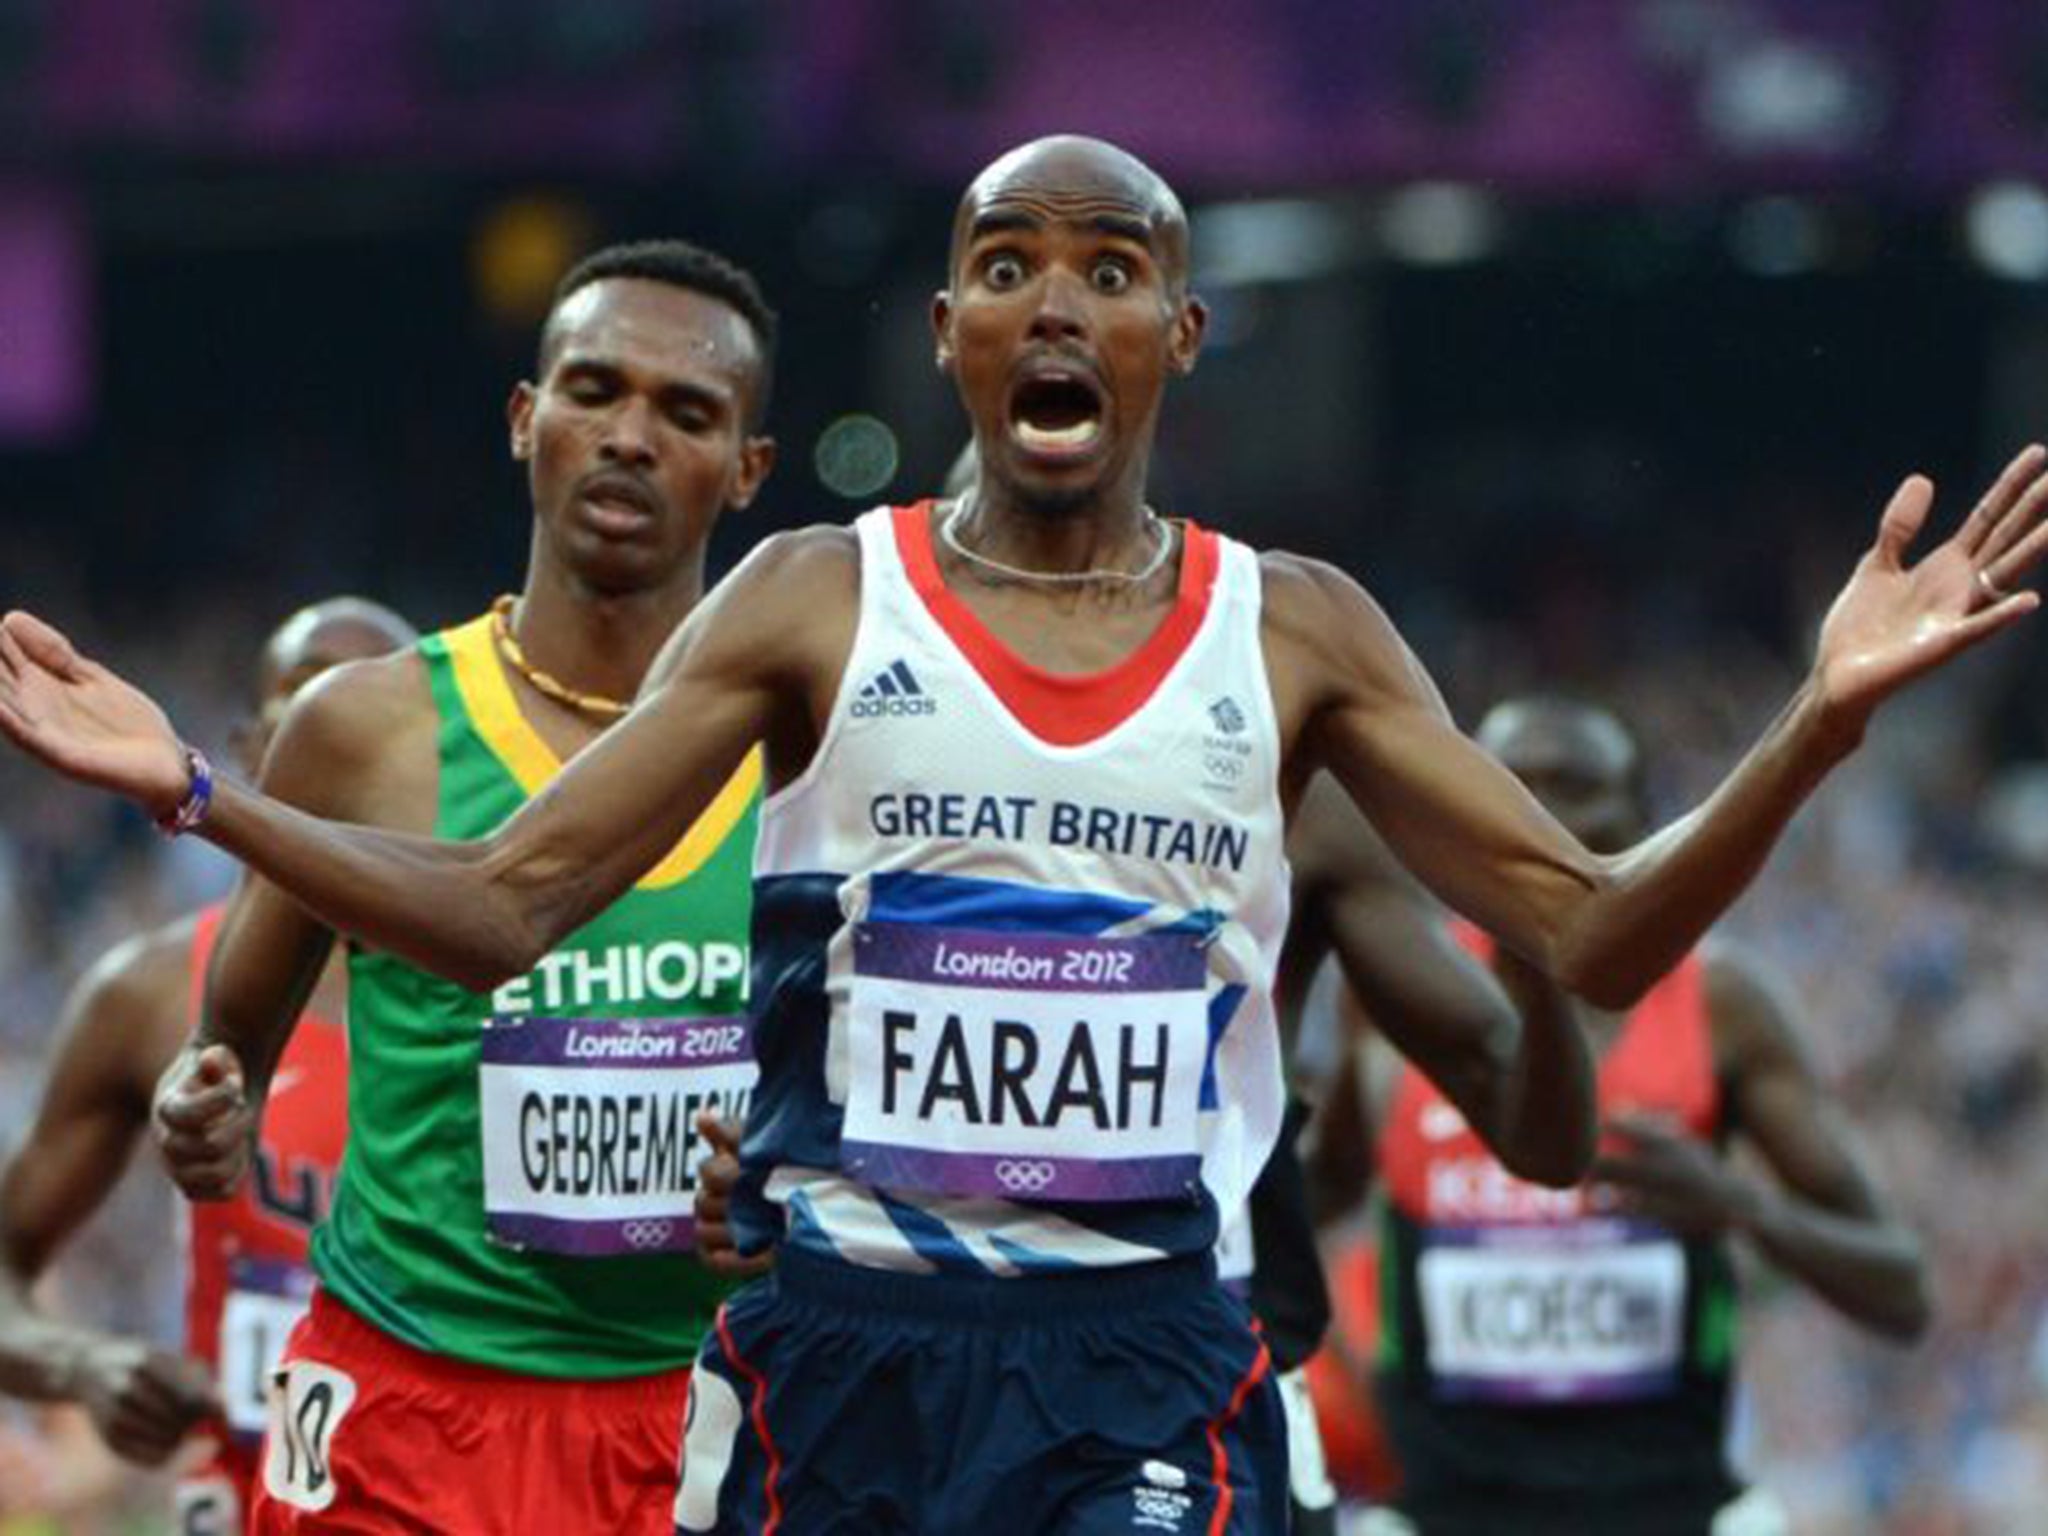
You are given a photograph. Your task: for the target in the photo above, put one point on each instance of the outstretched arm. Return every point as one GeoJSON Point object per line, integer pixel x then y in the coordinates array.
{"type": "Point", "coordinates": [1518, 1068]}
{"type": "Point", "coordinates": [1819, 1216]}
{"type": "Point", "coordinates": [117, 1031]}
{"type": "Point", "coordinates": [476, 912]}
{"type": "Point", "coordinates": [1608, 927]}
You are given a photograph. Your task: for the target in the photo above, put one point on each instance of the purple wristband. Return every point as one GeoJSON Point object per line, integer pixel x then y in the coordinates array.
{"type": "Point", "coordinates": [192, 810]}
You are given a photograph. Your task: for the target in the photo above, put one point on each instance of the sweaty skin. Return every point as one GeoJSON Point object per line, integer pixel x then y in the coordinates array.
{"type": "Point", "coordinates": [1035, 291]}
{"type": "Point", "coordinates": [122, 1026]}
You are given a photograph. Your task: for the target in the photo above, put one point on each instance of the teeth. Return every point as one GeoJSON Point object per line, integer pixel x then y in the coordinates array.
{"type": "Point", "coordinates": [1055, 439]}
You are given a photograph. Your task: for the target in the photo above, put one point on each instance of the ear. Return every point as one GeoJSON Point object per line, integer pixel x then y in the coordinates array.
{"type": "Point", "coordinates": [942, 327]}
{"type": "Point", "coordinates": [757, 460]}
{"type": "Point", "coordinates": [1189, 327]}
{"type": "Point", "coordinates": [519, 417]}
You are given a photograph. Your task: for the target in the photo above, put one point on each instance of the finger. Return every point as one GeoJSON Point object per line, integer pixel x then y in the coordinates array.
{"type": "Point", "coordinates": [218, 1064]}
{"type": "Point", "coordinates": [225, 1143]}
{"type": "Point", "coordinates": [132, 1444]}
{"type": "Point", "coordinates": [2010, 566]}
{"type": "Point", "coordinates": [15, 669]}
{"type": "Point", "coordinates": [189, 1386]}
{"type": "Point", "coordinates": [723, 1135]}
{"type": "Point", "coordinates": [141, 1440]}
{"type": "Point", "coordinates": [198, 1109]}
{"type": "Point", "coordinates": [2021, 474]}
{"type": "Point", "coordinates": [1968, 630]}
{"type": "Point", "coordinates": [2012, 524]}
{"type": "Point", "coordinates": [206, 1178]}
{"type": "Point", "coordinates": [1639, 1125]}
{"type": "Point", "coordinates": [1903, 517]}
{"type": "Point", "coordinates": [42, 643]}
{"type": "Point", "coordinates": [729, 1263]}
{"type": "Point", "coordinates": [17, 726]}
{"type": "Point", "coordinates": [1616, 1168]}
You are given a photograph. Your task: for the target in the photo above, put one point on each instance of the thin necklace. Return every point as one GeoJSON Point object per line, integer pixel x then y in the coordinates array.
{"type": "Point", "coordinates": [543, 683]}
{"type": "Point", "coordinates": [949, 532]}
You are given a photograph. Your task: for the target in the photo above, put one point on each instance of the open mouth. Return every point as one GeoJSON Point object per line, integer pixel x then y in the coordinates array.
{"type": "Point", "coordinates": [1056, 414]}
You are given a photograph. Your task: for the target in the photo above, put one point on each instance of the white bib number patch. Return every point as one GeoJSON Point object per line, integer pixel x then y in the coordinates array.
{"type": "Point", "coordinates": [590, 1141]}
{"type": "Point", "coordinates": [264, 1303]}
{"type": "Point", "coordinates": [1025, 1065]}
{"type": "Point", "coordinates": [1589, 1313]}
{"type": "Point", "coordinates": [206, 1506]}
{"type": "Point", "coordinates": [308, 1401]}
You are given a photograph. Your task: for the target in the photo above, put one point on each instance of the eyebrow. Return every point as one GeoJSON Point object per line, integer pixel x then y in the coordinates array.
{"type": "Point", "coordinates": [996, 221]}
{"type": "Point", "coordinates": [669, 389]}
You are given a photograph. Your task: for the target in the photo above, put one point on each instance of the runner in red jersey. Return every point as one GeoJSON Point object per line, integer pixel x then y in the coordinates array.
{"type": "Point", "coordinates": [247, 1280]}
{"type": "Point", "coordinates": [1557, 1361]}
{"type": "Point", "coordinates": [128, 1017]}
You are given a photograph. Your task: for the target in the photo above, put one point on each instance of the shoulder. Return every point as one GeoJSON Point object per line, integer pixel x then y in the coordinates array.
{"type": "Point", "coordinates": [1751, 1008]}
{"type": "Point", "coordinates": [788, 604]}
{"type": "Point", "coordinates": [130, 1010]}
{"type": "Point", "coordinates": [380, 692]}
{"type": "Point", "coordinates": [347, 729]}
{"type": "Point", "coordinates": [1329, 643]}
{"type": "Point", "coordinates": [822, 560]}
{"type": "Point", "coordinates": [819, 559]}
{"type": "Point", "coordinates": [1313, 603]}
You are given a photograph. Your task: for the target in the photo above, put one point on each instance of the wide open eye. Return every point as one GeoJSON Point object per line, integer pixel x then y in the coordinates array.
{"type": "Point", "coordinates": [1003, 270]}
{"type": "Point", "coordinates": [1111, 275]}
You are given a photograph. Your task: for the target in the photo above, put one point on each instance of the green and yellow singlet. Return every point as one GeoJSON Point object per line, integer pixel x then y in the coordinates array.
{"type": "Point", "coordinates": [516, 1186]}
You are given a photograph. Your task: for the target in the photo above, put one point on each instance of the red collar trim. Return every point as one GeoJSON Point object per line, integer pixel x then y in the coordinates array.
{"type": "Point", "coordinates": [1062, 709]}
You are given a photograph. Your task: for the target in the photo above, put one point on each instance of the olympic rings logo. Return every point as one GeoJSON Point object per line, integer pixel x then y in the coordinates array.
{"type": "Point", "coordinates": [647, 1234]}
{"type": "Point", "coordinates": [1025, 1176]}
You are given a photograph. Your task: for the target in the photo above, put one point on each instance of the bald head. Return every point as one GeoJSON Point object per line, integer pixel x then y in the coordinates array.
{"type": "Point", "coordinates": [317, 637]}
{"type": "Point", "coordinates": [1071, 177]}
{"type": "Point", "coordinates": [1579, 760]}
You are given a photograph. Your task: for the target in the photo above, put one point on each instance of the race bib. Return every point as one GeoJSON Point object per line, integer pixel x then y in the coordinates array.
{"type": "Point", "coordinates": [206, 1506]}
{"type": "Point", "coordinates": [265, 1300]}
{"type": "Point", "coordinates": [590, 1143]}
{"type": "Point", "coordinates": [1593, 1312]}
{"type": "Point", "coordinates": [1025, 1065]}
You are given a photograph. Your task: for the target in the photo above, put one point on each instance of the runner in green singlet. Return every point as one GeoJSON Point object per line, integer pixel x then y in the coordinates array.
{"type": "Point", "coordinates": [507, 1258]}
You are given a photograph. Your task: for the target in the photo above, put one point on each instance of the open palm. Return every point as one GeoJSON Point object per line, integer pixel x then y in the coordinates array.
{"type": "Point", "coordinates": [83, 720]}
{"type": "Point", "coordinates": [1892, 622]}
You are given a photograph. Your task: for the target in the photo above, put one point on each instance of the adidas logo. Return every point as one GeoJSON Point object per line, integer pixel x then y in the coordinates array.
{"type": "Point", "coordinates": [893, 691]}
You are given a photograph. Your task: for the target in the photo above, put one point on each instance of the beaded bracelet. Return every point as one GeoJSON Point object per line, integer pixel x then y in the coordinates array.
{"type": "Point", "coordinates": [190, 811]}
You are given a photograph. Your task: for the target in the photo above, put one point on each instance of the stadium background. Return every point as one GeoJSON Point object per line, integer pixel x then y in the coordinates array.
{"type": "Point", "coordinates": [1590, 334]}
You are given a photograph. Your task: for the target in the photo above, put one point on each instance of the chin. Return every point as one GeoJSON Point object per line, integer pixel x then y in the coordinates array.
{"type": "Point", "coordinates": [619, 572]}
{"type": "Point", "coordinates": [1056, 494]}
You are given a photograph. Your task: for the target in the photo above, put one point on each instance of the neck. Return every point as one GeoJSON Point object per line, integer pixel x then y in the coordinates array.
{"type": "Point", "coordinates": [1111, 531]}
{"type": "Point", "coordinates": [600, 642]}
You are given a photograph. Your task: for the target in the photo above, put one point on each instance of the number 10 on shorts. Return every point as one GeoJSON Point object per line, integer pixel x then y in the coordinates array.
{"type": "Point", "coordinates": [307, 1405]}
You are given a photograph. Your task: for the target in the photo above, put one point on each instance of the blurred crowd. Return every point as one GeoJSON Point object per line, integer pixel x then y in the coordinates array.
{"type": "Point", "coordinates": [1904, 908]}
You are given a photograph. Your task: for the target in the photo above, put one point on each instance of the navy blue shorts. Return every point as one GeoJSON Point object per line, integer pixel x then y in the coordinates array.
{"type": "Point", "coordinates": [832, 1400]}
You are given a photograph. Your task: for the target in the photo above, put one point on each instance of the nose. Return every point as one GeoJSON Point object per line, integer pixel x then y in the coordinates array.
{"type": "Point", "coordinates": [1062, 311]}
{"type": "Point", "coordinates": [629, 433]}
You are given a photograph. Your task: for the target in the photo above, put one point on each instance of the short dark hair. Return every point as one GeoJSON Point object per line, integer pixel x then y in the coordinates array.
{"type": "Point", "coordinates": [680, 264]}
